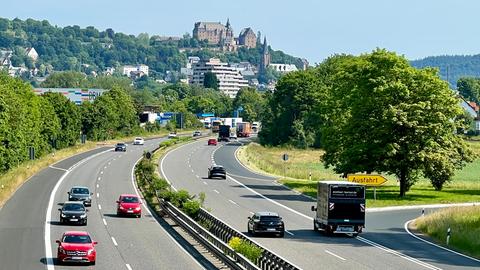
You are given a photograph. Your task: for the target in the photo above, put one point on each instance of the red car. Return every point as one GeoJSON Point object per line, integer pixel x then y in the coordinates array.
{"type": "Point", "coordinates": [212, 142]}
{"type": "Point", "coordinates": [129, 204]}
{"type": "Point", "coordinates": [76, 246]}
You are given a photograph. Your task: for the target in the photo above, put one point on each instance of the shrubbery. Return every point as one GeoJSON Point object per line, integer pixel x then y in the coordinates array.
{"type": "Point", "coordinates": [249, 250]}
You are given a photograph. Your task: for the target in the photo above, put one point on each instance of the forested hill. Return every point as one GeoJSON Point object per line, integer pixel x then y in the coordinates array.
{"type": "Point", "coordinates": [88, 49]}
{"type": "Point", "coordinates": [452, 67]}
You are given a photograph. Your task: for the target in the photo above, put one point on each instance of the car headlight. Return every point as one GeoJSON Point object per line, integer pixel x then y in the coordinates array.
{"type": "Point", "coordinates": [138, 208]}
{"type": "Point", "coordinates": [90, 251]}
{"type": "Point", "coordinates": [61, 250]}
{"type": "Point", "coordinates": [83, 216]}
{"type": "Point", "coordinates": [121, 208]}
{"type": "Point", "coordinates": [63, 215]}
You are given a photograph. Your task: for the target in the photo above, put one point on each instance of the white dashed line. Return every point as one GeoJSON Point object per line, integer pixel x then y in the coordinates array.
{"type": "Point", "coordinates": [193, 171]}
{"type": "Point", "coordinates": [105, 222]}
{"type": "Point", "coordinates": [128, 266]}
{"type": "Point", "coordinates": [205, 183]}
{"type": "Point", "coordinates": [99, 207]}
{"type": "Point", "coordinates": [289, 232]}
{"type": "Point", "coordinates": [114, 241]}
{"type": "Point", "coordinates": [101, 172]}
{"type": "Point", "coordinates": [232, 202]}
{"type": "Point", "coordinates": [251, 213]}
{"type": "Point", "coordinates": [109, 162]}
{"type": "Point", "coordinates": [335, 255]}
{"type": "Point", "coordinates": [197, 176]}
{"type": "Point", "coordinates": [98, 195]}
{"type": "Point", "coordinates": [104, 167]}
{"type": "Point", "coordinates": [216, 191]}
{"type": "Point", "coordinates": [99, 178]}
{"type": "Point", "coordinates": [98, 185]}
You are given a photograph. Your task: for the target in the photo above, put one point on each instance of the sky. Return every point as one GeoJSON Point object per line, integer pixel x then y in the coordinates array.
{"type": "Point", "coordinates": [311, 29]}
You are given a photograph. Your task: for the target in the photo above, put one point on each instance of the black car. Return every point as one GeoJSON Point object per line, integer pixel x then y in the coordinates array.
{"type": "Point", "coordinates": [73, 212]}
{"type": "Point", "coordinates": [266, 222]}
{"type": "Point", "coordinates": [217, 171]}
{"type": "Point", "coordinates": [121, 147]}
{"type": "Point", "coordinates": [82, 194]}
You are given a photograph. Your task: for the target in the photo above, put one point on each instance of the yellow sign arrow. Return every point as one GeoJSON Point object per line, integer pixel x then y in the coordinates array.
{"type": "Point", "coordinates": [367, 179]}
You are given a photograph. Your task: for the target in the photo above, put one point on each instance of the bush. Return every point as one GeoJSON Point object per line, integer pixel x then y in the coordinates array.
{"type": "Point", "coordinates": [191, 208]}
{"type": "Point", "coordinates": [249, 250]}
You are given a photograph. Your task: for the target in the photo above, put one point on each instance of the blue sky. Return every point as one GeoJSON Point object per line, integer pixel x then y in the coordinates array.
{"type": "Point", "coordinates": [305, 28]}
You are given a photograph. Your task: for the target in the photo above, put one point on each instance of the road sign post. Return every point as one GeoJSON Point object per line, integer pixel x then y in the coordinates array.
{"type": "Point", "coordinates": [285, 158]}
{"type": "Point", "coordinates": [368, 180]}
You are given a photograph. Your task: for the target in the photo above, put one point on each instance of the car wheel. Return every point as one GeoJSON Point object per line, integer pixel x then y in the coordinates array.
{"type": "Point", "coordinates": [85, 223]}
{"type": "Point", "coordinates": [139, 215]}
{"type": "Point", "coordinates": [282, 234]}
{"type": "Point", "coordinates": [315, 227]}
{"type": "Point", "coordinates": [224, 177]}
{"type": "Point", "coordinates": [252, 231]}
{"type": "Point", "coordinates": [93, 263]}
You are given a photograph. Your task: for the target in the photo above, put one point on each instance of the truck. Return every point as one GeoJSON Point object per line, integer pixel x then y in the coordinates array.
{"type": "Point", "coordinates": [340, 208]}
{"type": "Point", "coordinates": [216, 125]}
{"type": "Point", "coordinates": [233, 133]}
{"type": "Point", "coordinates": [243, 129]}
{"type": "Point", "coordinates": [223, 133]}
{"type": "Point", "coordinates": [256, 127]}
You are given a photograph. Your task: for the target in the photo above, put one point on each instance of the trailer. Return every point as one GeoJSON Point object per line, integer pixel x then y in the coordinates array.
{"type": "Point", "coordinates": [224, 133]}
{"type": "Point", "coordinates": [340, 207]}
{"type": "Point", "coordinates": [243, 129]}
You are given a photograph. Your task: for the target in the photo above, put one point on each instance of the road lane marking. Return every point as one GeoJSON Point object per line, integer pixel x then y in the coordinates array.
{"type": "Point", "coordinates": [114, 241]}
{"type": "Point", "coordinates": [216, 191]}
{"type": "Point", "coordinates": [98, 195]}
{"type": "Point", "coordinates": [193, 171]}
{"type": "Point", "coordinates": [435, 245]}
{"type": "Point", "coordinates": [109, 162]}
{"type": "Point", "coordinates": [104, 222]}
{"type": "Point", "coordinates": [48, 214]}
{"type": "Point", "coordinates": [99, 207]}
{"type": "Point", "coordinates": [105, 167]}
{"type": "Point", "coordinates": [335, 255]}
{"type": "Point", "coordinates": [128, 266]}
{"type": "Point", "coordinates": [289, 232]}
{"type": "Point", "coordinates": [196, 175]}
{"type": "Point", "coordinates": [98, 185]}
{"type": "Point", "coordinates": [99, 178]}
{"type": "Point", "coordinates": [205, 183]}
{"type": "Point", "coordinates": [57, 168]}
{"type": "Point", "coordinates": [232, 202]}
{"type": "Point", "coordinates": [101, 172]}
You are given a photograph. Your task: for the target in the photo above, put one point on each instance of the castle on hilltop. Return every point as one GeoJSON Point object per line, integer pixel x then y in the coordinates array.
{"type": "Point", "coordinates": [215, 33]}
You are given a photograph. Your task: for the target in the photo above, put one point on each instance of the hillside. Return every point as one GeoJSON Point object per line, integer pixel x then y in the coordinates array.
{"type": "Point", "coordinates": [452, 67]}
{"type": "Point", "coordinates": [88, 49]}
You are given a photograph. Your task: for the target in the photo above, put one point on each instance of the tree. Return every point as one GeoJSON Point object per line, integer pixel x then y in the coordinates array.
{"type": "Point", "coordinates": [68, 79]}
{"type": "Point", "coordinates": [389, 117]}
{"type": "Point", "coordinates": [210, 80]}
{"type": "Point", "coordinates": [251, 102]}
{"type": "Point", "coordinates": [469, 88]}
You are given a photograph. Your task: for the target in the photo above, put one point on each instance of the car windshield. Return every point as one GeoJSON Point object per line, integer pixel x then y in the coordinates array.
{"type": "Point", "coordinates": [138, 139]}
{"type": "Point", "coordinates": [269, 218]}
{"type": "Point", "coordinates": [73, 207]}
{"type": "Point", "coordinates": [130, 199]}
{"type": "Point", "coordinates": [120, 144]}
{"type": "Point", "coordinates": [76, 239]}
{"type": "Point", "coordinates": [217, 168]}
{"type": "Point", "coordinates": [80, 190]}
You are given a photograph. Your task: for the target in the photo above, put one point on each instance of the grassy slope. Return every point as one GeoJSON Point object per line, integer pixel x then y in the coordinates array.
{"type": "Point", "coordinates": [464, 223]}
{"type": "Point", "coordinates": [465, 186]}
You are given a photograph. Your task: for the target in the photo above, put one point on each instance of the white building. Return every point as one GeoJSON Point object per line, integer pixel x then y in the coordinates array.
{"type": "Point", "coordinates": [230, 81]}
{"type": "Point", "coordinates": [127, 70]}
{"type": "Point", "coordinates": [283, 68]}
{"type": "Point", "coordinates": [32, 53]}
{"type": "Point", "coordinates": [76, 95]}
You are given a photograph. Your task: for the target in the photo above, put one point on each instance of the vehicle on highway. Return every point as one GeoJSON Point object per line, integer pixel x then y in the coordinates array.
{"type": "Point", "coordinates": [73, 212]}
{"type": "Point", "coordinates": [256, 127]}
{"type": "Point", "coordinates": [224, 133]}
{"type": "Point", "coordinates": [197, 133]}
{"type": "Point", "coordinates": [217, 171]}
{"type": "Point", "coordinates": [340, 207]}
{"type": "Point", "coordinates": [243, 129]}
{"type": "Point", "coordinates": [129, 205]}
{"type": "Point", "coordinates": [172, 135]}
{"type": "Point", "coordinates": [122, 147]}
{"type": "Point", "coordinates": [266, 222]}
{"type": "Point", "coordinates": [138, 141]}
{"type": "Point", "coordinates": [81, 194]}
{"type": "Point", "coordinates": [76, 246]}
{"type": "Point", "coordinates": [212, 142]}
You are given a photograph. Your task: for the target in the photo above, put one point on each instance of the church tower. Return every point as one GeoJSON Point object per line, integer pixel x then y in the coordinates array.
{"type": "Point", "coordinates": [265, 59]}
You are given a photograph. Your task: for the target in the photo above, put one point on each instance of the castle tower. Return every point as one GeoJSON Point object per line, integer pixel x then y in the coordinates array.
{"type": "Point", "coordinates": [265, 60]}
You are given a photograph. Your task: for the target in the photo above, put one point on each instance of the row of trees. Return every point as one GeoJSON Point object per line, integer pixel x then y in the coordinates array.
{"type": "Point", "coordinates": [371, 113]}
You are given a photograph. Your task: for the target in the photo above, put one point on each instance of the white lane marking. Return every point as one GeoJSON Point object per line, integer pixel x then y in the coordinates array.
{"type": "Point", "coordinates": [105, 167]}
{"type": "Point", "coordinates": [99, 178]}
{"type": "Point", "coordinates": [216, 191]}
{"type": "Point", "coordinates": [99, 207]}
{"type": "Point", "coordinates": [205, 183]}
{"type": "Point", "coordinates": [335, 255]}
{"type": "Point", "coordinates": [429, 266]}
{"type": "Point", "coordinates": [148, 210]}
{"type": "Point", "coordinates": [435, 245]}
{"type": "Point", "coordinates": [98, 195]}
{"type": "Point", "coordinates": [189, 165]}
{"type": "Point", "coordinates": [57, 168]}
{"type": "Point", "coordinates": [104, 222]}
{"type": "Point", "coordinates": [101, 172]}
{"type": "Point", "coordinates": [109, 162]}
{"type": "Point", "coordinates": [48, 214]}
{"type": "Point", "coordinates": [197, 176]}
{"type": "Point", "coordinates": [193, 171]}
{"type": "Point", "coordinates": [289, 232]}
{"type": "Point", "coordinates": [98, 185]}
{"type": "Point", "coordinates": [251, 213]}
{"type": "Point", "coordinates": [128, 266]}
{"type": "Point", "coordinates": [410, 207]}
{"type": "Point", "coordinates": [114, 241]}
{"type": "Point", "coordinates": [232, 202]}
{"type": "Point", "coordinates": [394, 252]}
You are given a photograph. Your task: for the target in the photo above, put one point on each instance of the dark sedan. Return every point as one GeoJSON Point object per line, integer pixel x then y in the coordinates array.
{"type": "Point", "coordinates": [266, 222]}
{"type": "Point", "coordinates": [217, 171]}
{"type": "Point", "coordinates": [81, 194]}
{"type": "Point", "coordinates": [73, 212]}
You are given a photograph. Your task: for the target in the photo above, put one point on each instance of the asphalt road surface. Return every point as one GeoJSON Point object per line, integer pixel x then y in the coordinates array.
{"type": "Point", "coordinates": [124, 243]}
{"type": "Point", "coordinates": [383, 245]}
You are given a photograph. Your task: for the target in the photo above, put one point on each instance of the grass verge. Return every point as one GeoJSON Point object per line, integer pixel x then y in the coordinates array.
{"type": "Point", "coordinates": [464, 223]}
{"type": "Point", "coordinates": [304, 168]}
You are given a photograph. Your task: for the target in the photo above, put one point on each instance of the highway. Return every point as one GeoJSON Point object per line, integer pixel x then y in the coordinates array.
{"type": "Point", "coordinates": [383, 245]}
{"type": "Point", "coordinates": [27, 228]}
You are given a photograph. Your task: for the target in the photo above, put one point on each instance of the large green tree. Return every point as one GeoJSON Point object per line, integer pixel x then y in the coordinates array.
{"type": "Point", "coordinates": [388, 117]}
{"type": "Point", "coordinates": [469, 88]}
{"type": "Point", "coordinates": [210, 80]}
{"type": "Point", "coordinates": [251, 102]}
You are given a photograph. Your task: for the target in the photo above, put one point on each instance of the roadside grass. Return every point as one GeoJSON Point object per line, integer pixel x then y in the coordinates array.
{"type": "Point", "coordinates": [11, 180]}
{"type": "Point", "coordinates": [464, 223]}
{"type": "Point", "coordinates": [465, 186]}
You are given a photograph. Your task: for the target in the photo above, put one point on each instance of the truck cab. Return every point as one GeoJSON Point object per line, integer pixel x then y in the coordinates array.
{"type": "Point", "coordinates": [340, 208]}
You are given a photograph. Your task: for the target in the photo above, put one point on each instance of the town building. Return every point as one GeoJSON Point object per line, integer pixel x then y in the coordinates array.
{"type": "Point", "coordinates": [247, 38]}
{"type": "Point", "coordinates": [138, 70]}
{"type": "Point", "coordinates": [32, 53]}
{"type": "Point", "coordinates": [76, 95]}
{"type": "Point", "coordinates": [266, 58]}
{"type": "Point", "coordinates": [215, 33]}
{"type": "Point", "coordinates": [283, 68]}
{"type": "Point", "coordinates": [230, 81]}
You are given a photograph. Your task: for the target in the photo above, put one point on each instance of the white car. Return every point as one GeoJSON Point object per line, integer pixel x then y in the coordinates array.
{"type": "Point", "coordinates": [138, 141]}
{"type": "Point", "coordinates": [172, 135]}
